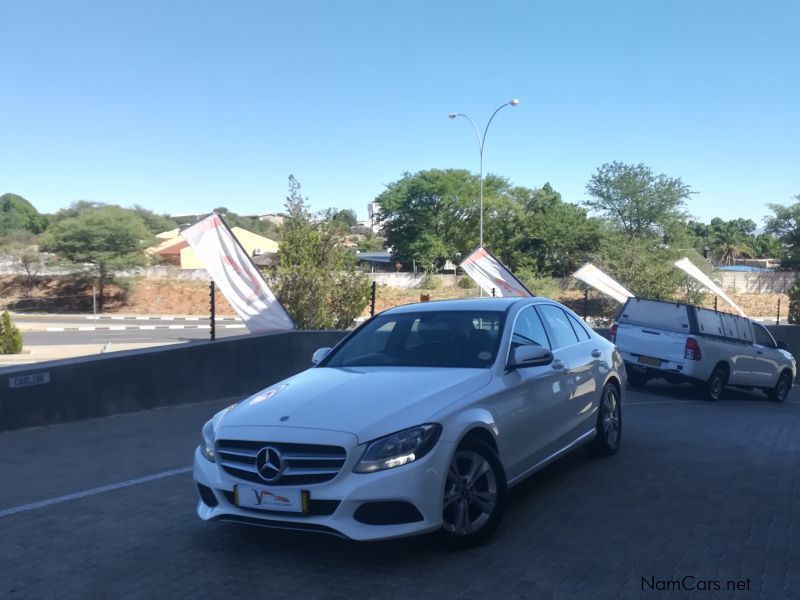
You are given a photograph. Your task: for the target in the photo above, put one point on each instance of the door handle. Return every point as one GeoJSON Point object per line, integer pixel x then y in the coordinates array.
{"type": "Point", "coordinates": [597, 353]}
{"type": "Point", "coordinates": [759, 352]}
{"type": "Point", "coordinates": [557, 365]}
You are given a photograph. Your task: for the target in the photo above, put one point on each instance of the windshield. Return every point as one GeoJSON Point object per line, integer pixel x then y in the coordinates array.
{"type": "Point", "coordinates": [467, 339]}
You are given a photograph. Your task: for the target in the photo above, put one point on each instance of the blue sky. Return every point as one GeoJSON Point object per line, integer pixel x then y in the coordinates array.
{"type": "Point", "coordinates": [182, 106]}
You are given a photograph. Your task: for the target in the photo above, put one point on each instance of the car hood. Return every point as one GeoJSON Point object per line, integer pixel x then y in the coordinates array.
{"type": "Point", "coordinates": [366, 401]}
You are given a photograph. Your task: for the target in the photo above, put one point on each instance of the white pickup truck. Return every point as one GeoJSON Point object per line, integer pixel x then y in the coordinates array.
{"type": "Point", "coordinates": [686, 343]}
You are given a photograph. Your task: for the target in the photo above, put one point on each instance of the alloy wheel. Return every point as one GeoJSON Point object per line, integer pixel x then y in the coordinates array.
{"type": "Point", "coordinates": [611, 416]}
{"type": "Point", "coordinates": [471, 493]}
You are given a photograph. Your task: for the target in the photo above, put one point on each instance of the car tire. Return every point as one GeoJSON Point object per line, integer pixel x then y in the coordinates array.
{"type": "Point", "coordinates": [472, 510]}
{"type": "Point", "coordinates": [781, 389]}
{"type": "Point", "coordinates": [636, 379]}
{"type": "Point", "coordinates": [609, 424]}
{"type": "Point", "coordinates": [716, 383]}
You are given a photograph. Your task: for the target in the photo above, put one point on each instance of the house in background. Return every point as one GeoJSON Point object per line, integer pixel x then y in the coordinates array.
{"type": "Point", "coordinates": [176, 251]}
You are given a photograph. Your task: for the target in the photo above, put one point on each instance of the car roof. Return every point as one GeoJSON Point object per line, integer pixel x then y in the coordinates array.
{"type": "Point", "coordinates": [489, 304]}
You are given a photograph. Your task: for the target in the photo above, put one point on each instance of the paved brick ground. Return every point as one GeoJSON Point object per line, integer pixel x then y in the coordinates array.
{"type": "Point", "coordinates": [700, 489]}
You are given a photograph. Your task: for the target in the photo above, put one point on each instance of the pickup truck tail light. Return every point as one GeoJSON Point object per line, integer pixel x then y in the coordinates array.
{"type": "Point", "coordinates": [612, 334]}
{"type": "Point", "coordinates": [692, 349]}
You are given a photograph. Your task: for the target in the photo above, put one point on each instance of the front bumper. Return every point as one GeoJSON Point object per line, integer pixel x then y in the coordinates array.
{"type": "Point", "coordinates": [420, 484]}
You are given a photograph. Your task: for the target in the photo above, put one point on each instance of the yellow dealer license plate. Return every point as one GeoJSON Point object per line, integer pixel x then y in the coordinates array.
{"type": "Point", "coordinates": [247, 496]}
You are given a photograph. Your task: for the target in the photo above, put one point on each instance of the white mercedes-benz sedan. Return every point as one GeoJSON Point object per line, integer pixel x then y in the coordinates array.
{"type": "Point", "coordinates": [418, 421]}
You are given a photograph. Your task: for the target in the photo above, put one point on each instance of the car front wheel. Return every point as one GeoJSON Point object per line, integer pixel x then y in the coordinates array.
{"type": "Point", "coordinates": [474, 494]}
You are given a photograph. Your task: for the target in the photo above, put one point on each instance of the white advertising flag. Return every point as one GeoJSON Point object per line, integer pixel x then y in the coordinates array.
{"type": "Point", "coordinates": [236, 276]}
{"type": "Point", "coordinates": [691, 269]}
{"type": "Point", "coordinates": [599, 280]}
{"type": "Point", "coordinates": [492, 277]}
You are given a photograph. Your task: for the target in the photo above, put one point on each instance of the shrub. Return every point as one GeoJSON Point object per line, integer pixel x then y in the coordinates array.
{"type": "Point", "coordinates": [467, 283]}
{"type": "Point", "coordinates": [430, 282]}
{"type": "Point", "coordinates": [10, 337]}
{"type": "Point", "coordinates": [794, 303]}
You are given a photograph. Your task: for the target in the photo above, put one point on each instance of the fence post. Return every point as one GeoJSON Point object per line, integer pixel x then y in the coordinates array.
{"type": "Point", "coordinates": [715, 303]}
{"type": "Point", "coordinates": [372, 300]}
{"type": "Point", "coordinates": [94, 305]}
{"type": "Point", "coordinates": [212, 316]}
{"type": "Point", "coordinates": [778, 319]}
{"type": "Point", "coordinates": [493, 289]}
{"type": "Point", "coordinates": [585, 303]}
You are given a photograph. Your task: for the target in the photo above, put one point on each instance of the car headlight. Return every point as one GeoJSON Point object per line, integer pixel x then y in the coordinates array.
{"type": "Point", "coordinates": [399, 448]}
{"type": "Point", "coordinates": [207, 447]}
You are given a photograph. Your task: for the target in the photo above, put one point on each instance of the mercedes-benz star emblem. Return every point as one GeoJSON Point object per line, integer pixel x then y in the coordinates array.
{"type": "Point", "coordinates": [270, 464]}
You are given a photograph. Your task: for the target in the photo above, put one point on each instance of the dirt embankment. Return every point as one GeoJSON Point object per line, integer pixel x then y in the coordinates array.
{"type": "Point", "coordinates": [181, 297]}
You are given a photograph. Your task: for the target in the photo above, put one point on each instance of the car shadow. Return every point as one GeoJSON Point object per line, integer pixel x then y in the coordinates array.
{"type": "Point", "coordinates": [688, 392]}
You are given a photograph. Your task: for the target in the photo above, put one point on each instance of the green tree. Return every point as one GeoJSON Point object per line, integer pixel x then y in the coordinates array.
{"type": "Point", "coordinates": [432, 216]}
{"type": "Point", "coordinates": [106, 238]}
{"type": "Point", "coordinates": [766, 245]}
{"type": "Point", "coordinates": [10, 336]}
{"type": "Point", "coordinates": [154, 222]}
{"type": "Point", "coordinates": [347, 216]}
{"type": "Point", "coordinates": [17, 214]}
{"type": "Point", "coordinates": [558, 237]}
{"type": "Point", "coordinates": [76, 208]}
{"type": "Point", "coordinates": [23, 249]}
{"type": "Point", "coordinates": [643, 265]}
{"type": "Point", "coordinates": [317, 280]}
{"type": "Point", "coordinates": [635, 201]}
{"type": "Point", "coordinates": [785, 226]}
{"type": "Point", "coordinates": [728, 241]}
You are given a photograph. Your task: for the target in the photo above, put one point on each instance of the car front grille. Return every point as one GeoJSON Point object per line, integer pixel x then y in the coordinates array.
{"type": "Point", "coordinates": [304, 463]}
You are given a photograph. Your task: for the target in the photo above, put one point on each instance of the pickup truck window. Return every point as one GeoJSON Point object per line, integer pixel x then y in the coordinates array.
{"type": "Point", "coordinates": [763, 336]}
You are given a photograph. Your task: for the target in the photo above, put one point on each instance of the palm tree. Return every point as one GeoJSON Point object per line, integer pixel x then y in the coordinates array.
{"type": "Point", "coordinates": [767, 246]}
{"type": "Point", "coordinates": [728, 242]}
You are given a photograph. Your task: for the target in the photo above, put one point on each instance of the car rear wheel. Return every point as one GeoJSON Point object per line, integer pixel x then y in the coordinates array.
{"type": "Point", "coordinates": [716, 383]}
{"type": "Point", "coordinates": [781, 389]}
{"type": "Point", "coordinates": [609, 423]}
{"type": "Point", "coordinates": [474, 494]}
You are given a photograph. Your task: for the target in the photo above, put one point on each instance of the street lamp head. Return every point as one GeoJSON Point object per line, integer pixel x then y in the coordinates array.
{"type": "Point", "coordinates": [453, 115]}
{"type": "Point", "coordinates": [514, 102]}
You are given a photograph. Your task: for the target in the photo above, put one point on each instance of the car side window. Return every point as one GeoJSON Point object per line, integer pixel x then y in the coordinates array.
{"type": "Point", "coordinates": [558, 325]}
{"type": "Point", "coordinates": [579, 328]}
{"type": "Point", "coordinates": [763, 336]}
{"type": "Point", "coordinates": [529, 330]}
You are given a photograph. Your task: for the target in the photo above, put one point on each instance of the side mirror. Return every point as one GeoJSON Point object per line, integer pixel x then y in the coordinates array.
{"type": "Point", "coordinates": [529, 355]}
{"type": "Point", "coordinates": [782, 345]}
{"type": "Point", "coordinates": [317, 357]}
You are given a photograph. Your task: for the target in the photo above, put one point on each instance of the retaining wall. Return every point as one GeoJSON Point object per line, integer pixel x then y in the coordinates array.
{"type": "Point", "coordinates": [119, 382]}
{"type": "Point", "coordinates": [128, 381]}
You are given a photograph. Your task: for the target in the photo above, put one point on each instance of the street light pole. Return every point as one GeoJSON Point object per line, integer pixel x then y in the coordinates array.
{"type": "Point", "coordinates": [481, 143]}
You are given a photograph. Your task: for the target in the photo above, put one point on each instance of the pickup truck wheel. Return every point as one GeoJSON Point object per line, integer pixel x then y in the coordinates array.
{"type": "Point", "coordinates": [716, 383]}
{"type": "Point", "coordinates": [781, 389]}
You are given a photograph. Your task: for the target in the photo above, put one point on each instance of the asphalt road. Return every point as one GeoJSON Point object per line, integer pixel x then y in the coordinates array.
{"type": "Point", "coordinates": [130, 336]}
{"type": "Point", "coordinates": [71, 330]}
{"type": "Point", "coordinates": [699, 491]}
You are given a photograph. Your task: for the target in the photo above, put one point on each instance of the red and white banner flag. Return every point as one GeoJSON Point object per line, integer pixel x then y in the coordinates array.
{"type": "Point", "coordinates": [236, 276]}
{"type": "Point", "coordinates": [492, 276]}
{"type": "Point", "coordinates": [596, 278]}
